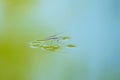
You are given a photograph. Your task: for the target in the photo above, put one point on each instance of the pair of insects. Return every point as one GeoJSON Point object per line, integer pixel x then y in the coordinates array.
{"type": "Point", "coordinates": [51, 43]}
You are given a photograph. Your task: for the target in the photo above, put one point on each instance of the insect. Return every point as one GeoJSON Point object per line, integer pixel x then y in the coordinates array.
{"type": "Point", "coordinates": [51, 43]}
{"type": "Point", "coordinates": [53, 37]}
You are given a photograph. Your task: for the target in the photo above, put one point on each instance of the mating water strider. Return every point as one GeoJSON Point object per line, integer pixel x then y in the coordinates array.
{"type": "Point", "coordinates": [52, 43]}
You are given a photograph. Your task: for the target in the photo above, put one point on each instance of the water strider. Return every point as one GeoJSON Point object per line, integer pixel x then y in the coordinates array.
{"type": "Point", "coordinates": [52, 43]}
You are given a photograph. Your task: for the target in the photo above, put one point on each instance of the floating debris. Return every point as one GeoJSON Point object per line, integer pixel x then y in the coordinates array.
{"type": "Point", "coordinates": [52, 43]}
